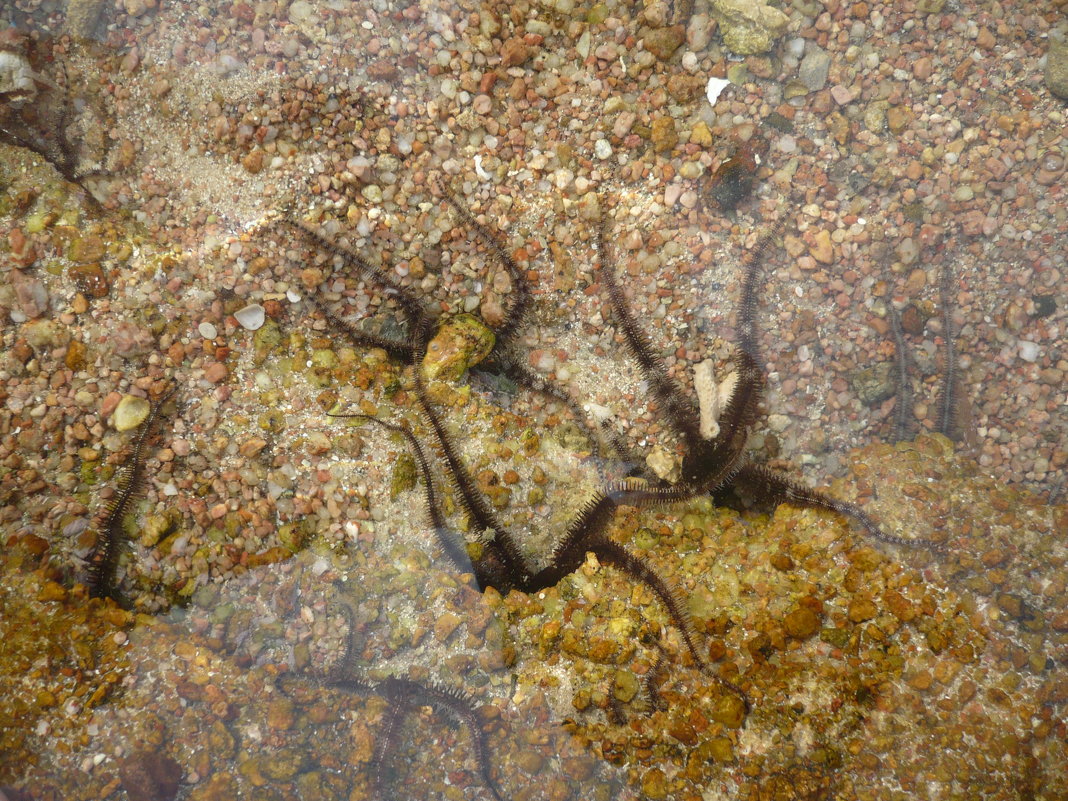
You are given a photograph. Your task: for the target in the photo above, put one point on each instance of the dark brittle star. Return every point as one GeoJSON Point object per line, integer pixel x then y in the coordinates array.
{"type": "Point", "coordinates": [717, 465]}
{"type": "Point", "coordinates": [39, 124]}
{"type": "Point", "coordinates": [500, 563]}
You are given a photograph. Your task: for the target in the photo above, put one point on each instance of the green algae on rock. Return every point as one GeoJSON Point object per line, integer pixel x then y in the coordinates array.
{"type": "Point", "coordinates": [460, 343]}
{"type": "Point", "coordinates": [749, 27]}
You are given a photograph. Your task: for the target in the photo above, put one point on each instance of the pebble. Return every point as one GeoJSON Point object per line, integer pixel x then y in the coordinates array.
{"type": "Point", "coordinates": [842, 95]}
{"type": "Point", "coordinates": [820, 247]}
{"type": "Point", "coordinates": [1029, 351]}
{"type": "Point", "coordinates": [663, 42]}
{"type": "Point", "coordinates": [215, 372]}
{"type": "Point", "coordinates": [1056, 73]}
{"type": "Point", "coordinates": [207, 330]}
{"type": "Point", "coordinates": [130, 413]}
{"type": "Point", "coordinates": [815, 67]}
{"type": "Point", "coordinates": [801, 623]}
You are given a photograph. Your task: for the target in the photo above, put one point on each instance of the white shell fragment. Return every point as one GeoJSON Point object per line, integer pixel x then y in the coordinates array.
{"type": "Point", "coordinates": [714, 88]}
{"type": "Point", "coordinates": [712, 397]}
{"type": "Point", "coordinates": [251, 317]}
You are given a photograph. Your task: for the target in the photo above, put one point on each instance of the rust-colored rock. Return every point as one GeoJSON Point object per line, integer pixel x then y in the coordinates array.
{"type": "Point", "coordinates": [148, 776]}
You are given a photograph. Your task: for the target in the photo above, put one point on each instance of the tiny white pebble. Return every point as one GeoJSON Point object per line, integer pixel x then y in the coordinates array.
{"type": "Point", "coordinates": [602, 149]}
{"type": "Point", "coordinates": [207, 330]}
{"type": "Point", "coordinates": [1028, 350]}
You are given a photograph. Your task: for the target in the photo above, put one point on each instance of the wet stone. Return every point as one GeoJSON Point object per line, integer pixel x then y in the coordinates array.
{"type": "Point", "coordinates": [874, 384]}
{"type": "Point", "coordinates": [663, 42]}
{"type": "Point", "coordinates": [280, 714]}
{"type": "Point", "coordinates": [654, 784]}
{"type": "Point", "coordinates": [90, 279]}
{"type": "Point", "coordinates": [459, 344]}
{"type": "Point", "coordinates": [148, 776]}
{"type": "Point", "coordinates": [87, 249]}
{"type": "Point", "coordinates": [514, 52]}
{"type": "Point", "coordinates": [41, 334]}
{"type": "Point", "coordinates": [861, 609]}
{"type": "Point", "coordinates": [625, 686]}
{"type": "Point", "coordinates": [683, 731]}
{"type": "Point", "coordinates": [130, 413]}
{"type": "Point", "coordinates": [405, 475]}
{"type": "Point", "coordinates": [729, 710]}
{"type": "Point", "coordinates": [814, 68]}
{"type": "Point", "coordinates": [75, 358]}
{"type": "Point", "coordinates": [445, 625]}
{"type": "Point", "coordinates": [721, 749]}
{"type": "Point", "coordinates": [283, 764]}
{"type": "Point", "coordinates": [664, 136]}
{"type": "Point", "coordinates": [801, 623]}
{"type": "Point", "coordinates": [899, 606]}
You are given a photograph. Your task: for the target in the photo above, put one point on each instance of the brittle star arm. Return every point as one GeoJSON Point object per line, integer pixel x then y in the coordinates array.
{"type": "Point", "coordinates": [450, 543]}
{"type": "Point", "coordinates": [682, 415]}
{"type": "Point", "coordinates": [770, 486]}
{"type": "Point", "coordinates": [414, 313]}
{"type": "Point", "coordinates": [520, 295]}
{"type": "Point", "coordinates": [587, 534]}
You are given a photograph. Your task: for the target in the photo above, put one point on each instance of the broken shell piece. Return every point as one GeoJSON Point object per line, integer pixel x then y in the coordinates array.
{"type": "Point", "coordinates": [252, 317]}
{"type": "Point", "coordinates": [714, 88]}
{"type": "Point", "coordinates": [712, 397]}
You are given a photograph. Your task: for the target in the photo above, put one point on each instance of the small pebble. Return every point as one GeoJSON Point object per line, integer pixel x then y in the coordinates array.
{"type": "Point", "coordinates": [130, 413]}
{"type": "Point", "coordinates": [1028, 350]}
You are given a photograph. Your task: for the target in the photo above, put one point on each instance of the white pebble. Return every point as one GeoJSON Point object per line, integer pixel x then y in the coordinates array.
{"type": "Point", "coordinates": [251, 317]}
{"type": "Point", "coordinates": [1028, 350]}
{"type": "Point", "coordinates": [207, 330]}
{"type": "Point", "coordinates": [602, 149]}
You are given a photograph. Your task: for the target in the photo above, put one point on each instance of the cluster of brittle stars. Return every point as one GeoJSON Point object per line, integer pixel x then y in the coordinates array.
{"type": "Point", "coordinates": [714, 460]}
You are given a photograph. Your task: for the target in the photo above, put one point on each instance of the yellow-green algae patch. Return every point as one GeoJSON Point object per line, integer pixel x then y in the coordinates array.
{"type": "Point", "coordinates": [62, 655]}
{"type": "Point", "coordinates": [867, 666]}
{"type": "Point", "coordinates": [931, 685]}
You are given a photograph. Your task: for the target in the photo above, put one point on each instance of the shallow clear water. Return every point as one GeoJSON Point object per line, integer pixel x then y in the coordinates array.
{"type": "Point", "coordinates": [286, 622]}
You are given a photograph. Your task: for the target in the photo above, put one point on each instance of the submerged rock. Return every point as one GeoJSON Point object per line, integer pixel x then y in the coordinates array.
{"type": "Point", "coordinates": [460, 343]}
{"type": "Point", "coordinates": [749, 27]}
